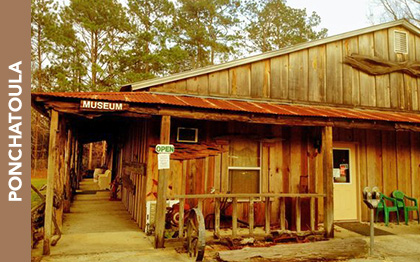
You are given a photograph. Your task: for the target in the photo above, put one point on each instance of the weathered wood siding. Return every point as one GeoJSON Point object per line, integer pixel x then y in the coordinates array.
{"type": "Point", "coordinates": [134, 150]}
{"type": "Point", "coordinates": [317, 75]}
{"type": "Point", "coordinates": [286, 154]}
{"type": "Point", "coordinates": [389, 160]}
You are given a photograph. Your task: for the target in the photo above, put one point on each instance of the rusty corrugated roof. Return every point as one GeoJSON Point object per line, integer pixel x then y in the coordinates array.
{"type": "Point", "coordinates": [240, 105]}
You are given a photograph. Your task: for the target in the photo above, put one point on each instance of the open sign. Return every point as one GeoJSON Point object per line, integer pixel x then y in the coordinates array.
{"type": "Point", "coordinates": [165, 149]}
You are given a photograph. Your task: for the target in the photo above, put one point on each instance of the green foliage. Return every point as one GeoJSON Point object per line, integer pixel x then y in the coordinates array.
{"type": "Point", "coordinates": [271, 24]}
{"type": "Point", "coordinates": [203, 28]}
{"type": "Point", "coordinates": [90, 45]}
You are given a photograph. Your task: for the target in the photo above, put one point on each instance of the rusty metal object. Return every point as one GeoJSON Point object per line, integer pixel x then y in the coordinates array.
{"type": "Point", "coordinates": [196, 233]}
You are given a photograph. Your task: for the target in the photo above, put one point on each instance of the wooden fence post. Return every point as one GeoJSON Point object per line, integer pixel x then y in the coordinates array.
{"type": "Point", "coordinates": [49, 208]}
{"type": "Point", "coordinates": [327, 152]}
{"type": "Point", "coordinates": [165, 132]}
{"type": "Point", "coordinates": [234, 217]}
{"type": "Point", "coordinates": [267, 216]}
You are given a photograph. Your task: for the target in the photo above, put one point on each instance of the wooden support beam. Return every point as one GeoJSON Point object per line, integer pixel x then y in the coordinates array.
{"type": "Point", "coordinates": [67, 179]}
{"type": "Point", "coordinates": [234, 217]}
{"type": "Point", "coordinates": [251, 216]}
{"type": "Point", "coordinates": [282, 213]}
{"type": "Point", "coordinates": [165, 132]}
{"type": "Point", "coordinates": [217, 218]}
{"type": "Point", "coordinates": [200, 204]}
{"type": "Point", "coordinates": [312, 218]}
{"type": "Point", "coordinates": [327, 153]}
{"type": "Point", "coordinates": [267, 215]}
{"type": "Point", "coordinates": [49, 208]}
{"type": "Point", "coordinates": [181, 218]}
{"type": "Point", "coordinates": [298, 215]}
{"type": "Point", "coordinates": [90, 156]}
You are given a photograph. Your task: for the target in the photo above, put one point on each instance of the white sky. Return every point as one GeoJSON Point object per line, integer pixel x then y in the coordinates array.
{"type": "Point", "coordinates": [338, 16]}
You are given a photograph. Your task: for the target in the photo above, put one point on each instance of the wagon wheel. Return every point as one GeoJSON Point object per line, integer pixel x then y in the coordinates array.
{"type": "Point", "coordinates": [196, 231]}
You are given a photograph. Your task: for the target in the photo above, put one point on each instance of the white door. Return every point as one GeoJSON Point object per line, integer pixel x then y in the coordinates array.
{"type": "Point", "coordinates": [345, 182]}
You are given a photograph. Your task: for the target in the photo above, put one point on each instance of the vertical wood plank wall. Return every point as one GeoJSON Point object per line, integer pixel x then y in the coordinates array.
{"type": "Point", "coordinates": [317, 75]}
{"type": "Point", "coordinates": [389, 160]}
{"type": "Point", "coordinates": [134, 150]}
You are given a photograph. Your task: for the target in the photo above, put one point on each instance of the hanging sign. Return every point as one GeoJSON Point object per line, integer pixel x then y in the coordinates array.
{"type": "Point", "coordinates": [165, 149]}
{"type": "Point", "coordinates": [164, 153]}
{"type": "Point", "coordinates": [163, 161]}
{"type": "Point", "coordinates": [89, 105]}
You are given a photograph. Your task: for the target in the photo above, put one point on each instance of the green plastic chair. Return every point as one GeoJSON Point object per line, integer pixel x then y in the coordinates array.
{"type": "Point", "coordinates": [383, 207]}
{"type": "Point", "coordinates": [401, 197]}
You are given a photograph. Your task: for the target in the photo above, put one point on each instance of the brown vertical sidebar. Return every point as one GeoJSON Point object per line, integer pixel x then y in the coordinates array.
{"type": "Point", "coordinates": [15, 48]}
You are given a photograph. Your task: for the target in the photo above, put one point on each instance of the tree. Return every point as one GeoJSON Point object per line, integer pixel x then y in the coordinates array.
{"type": "Point", "coordinates": [42, 28]}
{"type": "Point", "coordinates": [204, 30]}
{"type": "Point", "coordinates": [151, 21]}
{"type": "Point", "coordinates": [101, 26]}
{"type": "Point", "coordinates": [271, 24]}
{"type": "Point", "coordinates": [398, 9]}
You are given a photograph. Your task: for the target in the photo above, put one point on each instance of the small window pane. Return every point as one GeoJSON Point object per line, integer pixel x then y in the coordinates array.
{"type": "Point", "coordinates": [341, 172]}
{"type": "Point", "coordinates": [244, 181]}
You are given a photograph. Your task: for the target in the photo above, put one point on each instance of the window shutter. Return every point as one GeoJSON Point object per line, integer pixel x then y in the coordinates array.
{"type": "Point", "coordinates": [400, 42]}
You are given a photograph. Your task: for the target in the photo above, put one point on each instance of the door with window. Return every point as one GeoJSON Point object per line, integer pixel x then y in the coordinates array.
{"type": "Point", "coordinates": [345, 182]}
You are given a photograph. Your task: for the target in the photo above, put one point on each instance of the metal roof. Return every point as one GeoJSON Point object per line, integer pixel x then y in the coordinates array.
{"type": "Point", "coordinates": [210, 69]}
{"type": "Point", "coordinates": [248, 106]}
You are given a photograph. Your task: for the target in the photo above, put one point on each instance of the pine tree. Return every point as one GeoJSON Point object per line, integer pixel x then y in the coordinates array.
{"type": "Point", "coordinates": [271, 24]}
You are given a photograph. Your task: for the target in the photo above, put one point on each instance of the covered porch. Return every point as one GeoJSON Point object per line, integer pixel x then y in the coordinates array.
{"type": "Point", "coordinates": [293, 145]}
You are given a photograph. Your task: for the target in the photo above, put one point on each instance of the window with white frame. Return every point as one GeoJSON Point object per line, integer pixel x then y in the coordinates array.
{"type": "Point", "coordinates": [244, 166]}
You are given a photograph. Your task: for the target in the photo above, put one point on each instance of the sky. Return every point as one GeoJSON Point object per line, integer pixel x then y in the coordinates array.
{"type": "Point", "coordinates": [339, 16]}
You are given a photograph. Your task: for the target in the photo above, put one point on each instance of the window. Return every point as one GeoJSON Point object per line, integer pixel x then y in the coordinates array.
{"type": "Point", "coordinates": [341, 172]}
{"type": "Point", "coordinates": [244, 166]}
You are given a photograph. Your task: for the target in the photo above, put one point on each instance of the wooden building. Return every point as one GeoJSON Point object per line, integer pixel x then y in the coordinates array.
{"type": "Point", "coordinates": [291, 137]}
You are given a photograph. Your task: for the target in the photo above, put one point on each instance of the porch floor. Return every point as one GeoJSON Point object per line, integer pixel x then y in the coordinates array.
{"type": "Point", "coordinates": [101, 230]}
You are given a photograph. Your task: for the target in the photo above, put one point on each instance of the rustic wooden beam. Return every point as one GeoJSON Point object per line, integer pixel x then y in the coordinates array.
{"type": "Point", "coordinates": [298, 215]}
{"type": "Point", "coordinates": [67, 179]}
{"type": "Point", "coordinates": [251, 216]}
{"type": "Point", "coordinates": [282, 213]}
{"type": "Point", "coordinates": [200, 204]}
{"type": "Point", "coordinates": [217, 218]}
{"type": "Point", "coordinates": [165, 132]}
{"type": "Point", "coordinates": [327, 152]}
{"type": "Point", "coordinates": [181, 218]}
{"type": "Point", "coordinates": [312, 218]}
{"type": "Point", "coordinates": [241, 195]}
{"type": "Point", "coordinates": [49, 208]}
{"type": "Point", "coordinates": [267, 215]}
{"type": "Point", "coordinates": [234, 217]}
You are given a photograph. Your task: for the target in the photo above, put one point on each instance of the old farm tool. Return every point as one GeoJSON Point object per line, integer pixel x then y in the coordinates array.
{"type": "Point", "coordinates": [196, 232]}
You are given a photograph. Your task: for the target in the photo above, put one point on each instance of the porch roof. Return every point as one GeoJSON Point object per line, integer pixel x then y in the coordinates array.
{"type": "Point", "coordinates": [236, 105]}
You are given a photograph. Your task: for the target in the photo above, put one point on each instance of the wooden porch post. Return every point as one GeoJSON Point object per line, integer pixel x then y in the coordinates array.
{"type": "Point", "coordinates": [165, 131]}
{"type": "Point", "coordinates": [67, 179]}
{"type": "Point", "coordinates": [327, 153]}
{"type": "Point", "coordinates": [52, 156]}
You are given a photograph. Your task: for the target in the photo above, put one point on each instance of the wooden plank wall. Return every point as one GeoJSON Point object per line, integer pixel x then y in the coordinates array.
{"type": "Point", "coordinates": [285, 157]}
{"type": "Point", "coordinates": [135, 150]}
{"type": "Point", "coordinates": [317, 75]}
{"type": "Point", "coordinates": [389, 160]}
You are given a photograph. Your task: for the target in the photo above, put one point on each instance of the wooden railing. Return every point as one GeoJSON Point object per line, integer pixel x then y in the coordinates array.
{"type": "Point", "coordinates": [251, 198]}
